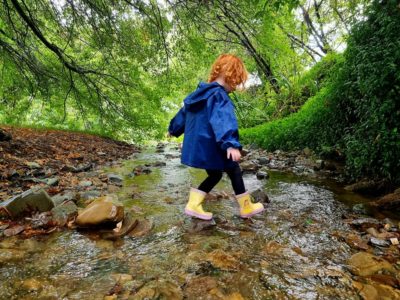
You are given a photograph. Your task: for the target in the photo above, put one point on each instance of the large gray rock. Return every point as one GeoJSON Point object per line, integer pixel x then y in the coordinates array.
{"type": "Point", "coordinates": [64, 213]}
{"type": "Point", "coordinates": [27, 202]}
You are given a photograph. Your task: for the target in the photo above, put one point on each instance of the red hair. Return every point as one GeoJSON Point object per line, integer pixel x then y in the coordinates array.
{"type": "Point", "coordinates": [231, 68]}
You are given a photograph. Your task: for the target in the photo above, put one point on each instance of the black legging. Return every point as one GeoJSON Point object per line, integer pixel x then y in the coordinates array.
{"type": "Point", "coordinates": [214, 176]}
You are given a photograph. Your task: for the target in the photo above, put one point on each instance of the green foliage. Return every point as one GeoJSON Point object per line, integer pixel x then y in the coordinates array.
{"type": "Point", "coordinates": [358, 109]}
{"type": "Point", "coordinates": [368, 92]}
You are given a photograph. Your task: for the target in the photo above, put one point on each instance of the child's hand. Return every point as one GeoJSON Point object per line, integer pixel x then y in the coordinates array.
{"type": "Point", "coordinates": [234, 154]}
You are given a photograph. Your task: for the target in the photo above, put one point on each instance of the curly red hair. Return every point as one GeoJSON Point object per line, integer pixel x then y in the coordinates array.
{"type": "Point", "coordinates": [231, 68]}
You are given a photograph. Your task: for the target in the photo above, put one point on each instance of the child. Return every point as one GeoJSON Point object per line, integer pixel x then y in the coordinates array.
{"type": "Point", "coordinates": [211, 139]}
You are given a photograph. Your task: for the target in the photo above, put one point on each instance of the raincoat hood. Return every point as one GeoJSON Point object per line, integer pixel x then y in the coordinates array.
{"type": "Point", "coordinates": [202, 93]}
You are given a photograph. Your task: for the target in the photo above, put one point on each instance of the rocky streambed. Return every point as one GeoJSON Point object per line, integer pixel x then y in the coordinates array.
{"type": "Point", "coordinates": [316, 239]}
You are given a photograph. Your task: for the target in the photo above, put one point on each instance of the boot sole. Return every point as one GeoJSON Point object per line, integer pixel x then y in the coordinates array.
{"type": "Point", "coordinates": [257, 211]}
{"type": "Point", "coordinates": [199, 216]}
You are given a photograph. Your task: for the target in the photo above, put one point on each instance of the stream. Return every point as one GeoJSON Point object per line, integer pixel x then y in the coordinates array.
{"type": "Point", "coordinates": [291, 251]}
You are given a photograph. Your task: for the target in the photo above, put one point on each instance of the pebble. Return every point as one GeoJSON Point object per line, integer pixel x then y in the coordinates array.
{"type": "Point", "coordinates": [262, 175]}
{"type": "Point", "coordinates": [85, 183]}
{"type": "Point", "coordinates": [115, 179]}
{"type": "Point", "coordinates": [378, 242]}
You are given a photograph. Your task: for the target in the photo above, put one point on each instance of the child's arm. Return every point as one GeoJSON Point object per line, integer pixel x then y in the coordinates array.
{"type": "Point", "coordinates": [177, 124]}
{"type": "Point", "coordinates": [223, 122]}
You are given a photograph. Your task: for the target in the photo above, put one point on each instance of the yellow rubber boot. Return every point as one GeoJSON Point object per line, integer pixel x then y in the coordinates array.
{"type": "Point", "coordinates": [247, 208]}
{"type": "Point", "coordinates": [193, 207]}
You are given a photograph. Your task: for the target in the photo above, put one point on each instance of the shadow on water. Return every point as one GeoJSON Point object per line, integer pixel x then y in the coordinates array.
{"type": "Point", "coordinates": [289, 252]}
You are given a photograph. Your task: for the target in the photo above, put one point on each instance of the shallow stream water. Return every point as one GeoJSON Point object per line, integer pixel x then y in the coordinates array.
{"type": "Point", "coordinates": [291, 251]}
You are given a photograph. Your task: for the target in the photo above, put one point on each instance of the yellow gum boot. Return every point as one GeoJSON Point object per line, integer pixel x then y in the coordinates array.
{"type": "Point", "coordinates": [193, 207]}
{"type": "Point", "coordinates": [247, 208]}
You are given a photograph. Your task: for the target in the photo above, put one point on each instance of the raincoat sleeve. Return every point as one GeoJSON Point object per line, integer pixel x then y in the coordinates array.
{"type": "Point", "coordinates": [177, 124]}
{"type": "Point", "coordinates": [223, 122]}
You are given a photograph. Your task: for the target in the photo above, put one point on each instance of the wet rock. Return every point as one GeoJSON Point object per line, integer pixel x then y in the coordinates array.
{"type": "Point", "coordinates": [27, 202]}
{"type": "Point", "coordinates": [385, 279]}
{"type": "Point", "coordinates": [11, 255]}
{"type": "Point", "coordinates": [365, 223]}
{"type": "Point", "coordinates": [365, 264]}
{"type": "Point", "coordinates": [33, 165]}
{"type": "Point", "coordinates": [5, 136]}
{"type": "Point", "coordinates": [291, 161]}
{"type": "Point", "coordinates": [330, 166]}
{"type": "Point", "coordinates": [159, 289]}
{"type": "Point", "coordinates": [273, 248]}
{"type": "Point", "coordinates": [60, 198]}
{"type": "Point", "coordinates": [249, 166]}
{"type": "Point", "coordinates": [52, 181]}
{"type": "Point", "coordinates": [122, 278]}
{"type": "Point", "coordinates": [380, 235]}
{"type": "Point", "coordinates": [378, 242]}
{"type": "Point", "coordinates": [128, 224]}
{"type": "Point", "coordinates": [102, 210]}
{"type": "Point", "coordinates": [115, 179]}
{"type": "Point", "coordinates": [356, 242]}
{"type": "Point", "coordinates": [360, 209]}
{"type": "Point", "coordinates": [85, 183]}
{"type": "Point", "coordinates": [143, 228]}
{"type": "Point", "coordinates": [87, 195]}
{"type": "Point", "coordinates": [14, 230]}
{"type": "Point", "coordinates": [113, 189]}
{"type": "Point", "coordinates": [77, 169]}
{"type": "Point", "coordinates": [159, 164]}
{"type": "Point", "coordinates": [222, 260]}
{"type": "Point", "coordinates": [262, 175]}
{"type": "Point", "coordinates": [32, 284]}
{"type": "Point", "coordinates": [198, 287]}
{"type": "Point", "coordinates": [319, 165]}
{"type": "Point", "coordinates": [197, 225]}
{"type": "Point", "coordinates": [263, 161]}
{"type": "Point", "coordinates": [376, 291]}
{"type": "Point", "coordinates": [260, 195]}
{"type": "Point", "coordinates": [140, 170]}
{"type": "Point", "coordinates": [64, 213]}
{"type": "Point", "coordinates": [368, 187]}
{"type": "Point", "coordinates": [390, 202]}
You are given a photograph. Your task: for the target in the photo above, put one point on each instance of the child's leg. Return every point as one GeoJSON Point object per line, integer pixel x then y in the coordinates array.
{"type": "Point", "coordinates": [214, 176]}
{"type": "Point", "coordinates": [235, 175]}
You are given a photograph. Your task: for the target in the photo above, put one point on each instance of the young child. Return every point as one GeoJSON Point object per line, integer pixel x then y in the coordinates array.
{"type": "Point", "coordinates": [211, 139]}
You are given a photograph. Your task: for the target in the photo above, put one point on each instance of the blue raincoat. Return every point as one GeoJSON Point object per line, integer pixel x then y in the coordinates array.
{"type": "Point", "coordinates": [209, 123]}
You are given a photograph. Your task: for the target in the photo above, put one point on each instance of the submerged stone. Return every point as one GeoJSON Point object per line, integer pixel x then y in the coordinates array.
{"type": "Point", "coordinates": [101, 210]}
{"type": "Point", "coordinates": [159, 289]}
{"type": "Point", "coordinates": [222, 260]}
{"type": "Point", "coordinates": [11, 255]}
{"type": "Point", "coordinates": [365, 264]}
{"type": "Point", "coordinates": [197, 225]}
{"type": "Point", "coordinates": [27, 202]}
{"type": "Point", "coordinates": [128, 224]}
{"type": "Point", "coordinates": [143, 227]}
{"type": "Point", "coordinates": [376, 291]}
